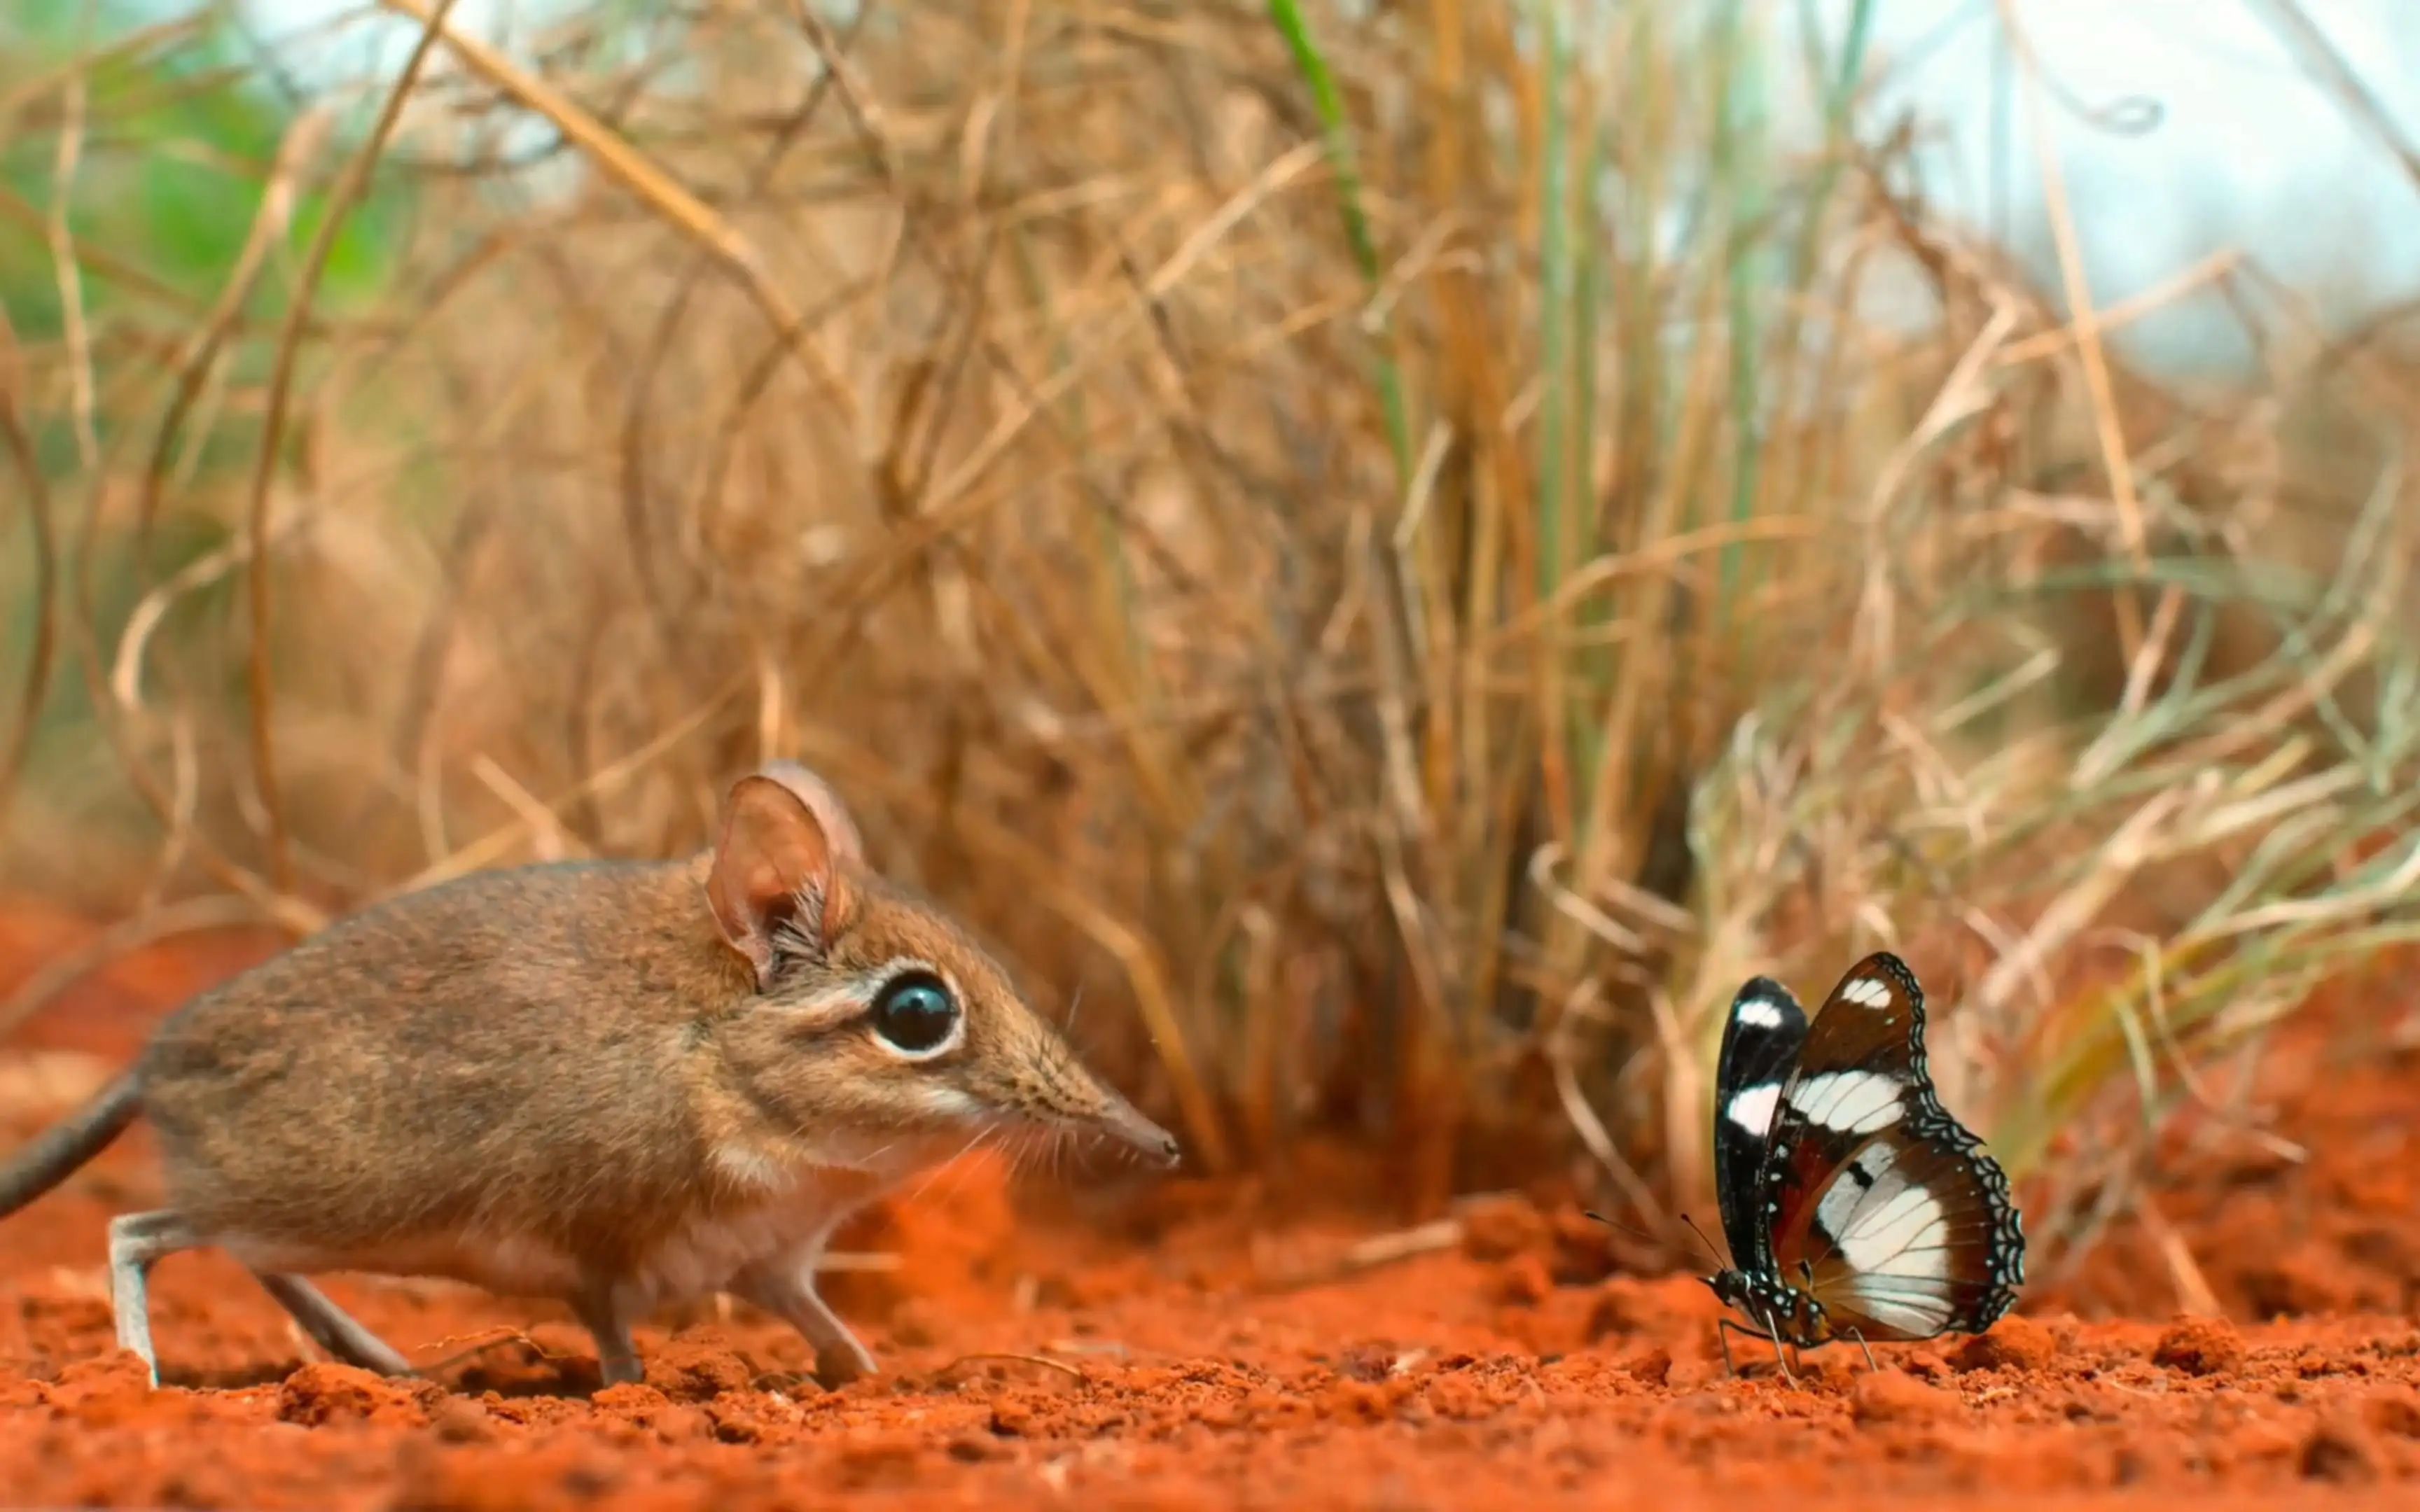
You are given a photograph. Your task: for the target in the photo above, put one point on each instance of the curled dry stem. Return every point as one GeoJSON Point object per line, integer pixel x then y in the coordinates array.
{"type": "Point", "coordinates": [347, 192]}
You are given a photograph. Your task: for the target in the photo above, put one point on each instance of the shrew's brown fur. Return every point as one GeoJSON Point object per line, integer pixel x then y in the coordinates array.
{"type": "Point", "coordinates": [619, 1083]}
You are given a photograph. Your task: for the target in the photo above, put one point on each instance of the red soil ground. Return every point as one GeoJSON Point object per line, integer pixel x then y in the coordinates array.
{"type": "Point", "coordinates": [1175, 1345]}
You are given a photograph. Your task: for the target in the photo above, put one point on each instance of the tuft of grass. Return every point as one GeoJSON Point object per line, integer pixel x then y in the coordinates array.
{"type": "Point", "coordinates": [1400, 556]}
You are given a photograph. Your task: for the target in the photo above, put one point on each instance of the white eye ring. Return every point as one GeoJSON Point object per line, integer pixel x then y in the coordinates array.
{"type": "Point", "coordinates": [912, 977]}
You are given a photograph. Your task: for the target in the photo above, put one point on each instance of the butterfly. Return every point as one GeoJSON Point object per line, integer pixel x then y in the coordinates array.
{"type": "Point", "coordinates": [1855, 1206]}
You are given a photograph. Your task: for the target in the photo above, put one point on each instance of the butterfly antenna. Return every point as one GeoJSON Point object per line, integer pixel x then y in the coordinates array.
{"type": "Point", "coordinates": [1711, 1254]}
{"type": "Point", "coordinates": [1652, 1238]}
{"type": "Point", "coordinates": [1632, 1230]}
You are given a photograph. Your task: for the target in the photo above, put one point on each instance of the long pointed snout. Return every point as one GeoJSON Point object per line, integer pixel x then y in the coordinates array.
{"type": "Point", "coordinates": [1118, 1119]}
{"type": "Point", "coordinates": [1054, 1091]}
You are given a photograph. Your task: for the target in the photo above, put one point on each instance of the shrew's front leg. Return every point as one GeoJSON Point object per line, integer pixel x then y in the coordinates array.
{"type": "Point", "coordinates": [786, 1289]}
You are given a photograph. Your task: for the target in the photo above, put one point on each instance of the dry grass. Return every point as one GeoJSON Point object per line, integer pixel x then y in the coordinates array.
{"type": "Point", "coordinates": [1400, 559]}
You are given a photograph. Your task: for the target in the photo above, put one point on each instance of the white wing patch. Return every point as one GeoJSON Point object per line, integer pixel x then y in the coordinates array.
{"type": "Point", "coordinates": [1752, 1109]}
{"type": "Point", "coordinates": [1850, 1102]}
{"type": "Point", "coordinates": [1901, 1236]}
{"type": "Point", "coordinates": [1837, 1212]}
{"type": "Point", "coordinates": [1865, 991]}
{"type": "Point", "coordinates": [1892, 1236]}
{"type": "Point", "coordinates": [1919, 1316]}
{"type": "Point", "coordinates": [1761, 1011]}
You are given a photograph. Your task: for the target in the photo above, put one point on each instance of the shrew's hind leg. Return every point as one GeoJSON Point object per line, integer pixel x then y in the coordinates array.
{"type": "Point", "coordinates": [330, 1327]}
{"type": "Point", "coordinates": [604, 1310]}
{"type": "Point", "coordinates": [607, 1318]}
{"type": "Point", "coordinates": [137, 1241]}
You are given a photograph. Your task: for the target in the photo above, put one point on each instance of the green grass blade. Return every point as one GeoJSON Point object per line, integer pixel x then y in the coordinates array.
{"type": "Point", "coordinates": [1295, 28]}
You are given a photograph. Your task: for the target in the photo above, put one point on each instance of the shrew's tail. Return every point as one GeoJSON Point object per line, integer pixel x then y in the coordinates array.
{"type": "Point", "coordinates": [80, 1137]}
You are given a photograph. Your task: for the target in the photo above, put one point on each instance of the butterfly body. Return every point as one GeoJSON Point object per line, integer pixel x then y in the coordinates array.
{"type": "Point", "coordinates": [1789, 1314]}
{"type": "Point", "coordinates": [1855, 1205]}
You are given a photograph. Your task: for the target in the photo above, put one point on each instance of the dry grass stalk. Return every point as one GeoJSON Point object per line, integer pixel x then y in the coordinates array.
{"type": "Point", "coordinates": [1400, 559]}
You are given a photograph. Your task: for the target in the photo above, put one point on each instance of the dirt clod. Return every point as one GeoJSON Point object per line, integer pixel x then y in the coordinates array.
{"type": "Point", "coordinates": [66, 1315]}
{"type": "Point", "coordinates": [736, 1422]}
{"type": "Point", "coordinates": [1891, 1397]}
{"type": "Point", "coordinates": [2015, 1343]}
{"type": "Point", "coordinates": [2199, 1347]}
{"type": "Point", "coordinates": [2339, 1450]}
{"type": "Point", "coordinates": [1011, 1419]}
{"type": "Point", "coordinates": [324, 1392]}
{"type": "Point", "coordinates": [1500, 1228]}
{"type": "Point", "coordinates": [459, 1479]}
{"type": "Point", "coordinates": [2394, 1410]}
{"type": "Point", "coordinates": [461, 1420]}
{"type": "Point", "coordinates": [971, 1449]}
{"type": "Point", "coordinates": [1584, 1249]}
{"type": "Point", "coordinates": [1081, 1357]}
{"type": "Point", "coordinates": [1523, 1282]}
{"type": "Point", "coordinates": [697, 1368]}
{"type": "Point", "coordinates": [1626, 1308]}
{"type": "Point", "coordinates": [105, 1389]}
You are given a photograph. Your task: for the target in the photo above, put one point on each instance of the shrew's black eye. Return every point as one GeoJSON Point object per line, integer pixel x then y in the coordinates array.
{"type": "Point", "coordinates": [915, 1012]}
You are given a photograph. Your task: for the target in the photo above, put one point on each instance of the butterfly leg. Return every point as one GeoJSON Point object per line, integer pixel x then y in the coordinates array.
{"type": "Point", "coordinates": [1724, 1328]}
{"type": "Point", "coordinates": [1778, 1358]}
{"type": "Point", "coordinates": [1773, 1335]}
{"type": "Point", "coordinates": [1863, 1345]}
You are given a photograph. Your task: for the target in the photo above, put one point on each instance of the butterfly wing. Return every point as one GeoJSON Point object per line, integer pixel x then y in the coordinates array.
{"type": "Point", "coordinates": [1890, 1214]}
{"type": "Point", "coordinates": [1760, 1043]}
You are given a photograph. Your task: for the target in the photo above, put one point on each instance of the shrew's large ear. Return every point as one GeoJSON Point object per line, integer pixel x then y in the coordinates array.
{"type": "Point", "coordinates": [778, 864]}
{"type": "Point", "coordinates": [839, 829]}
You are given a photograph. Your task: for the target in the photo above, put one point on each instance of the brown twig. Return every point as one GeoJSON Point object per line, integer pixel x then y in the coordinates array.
{"type": "Point", "coordinates": [639, 403]}
{"type": "Point", "coordinates": [1004, 1357]}
{"type": "Point", "coordinates": [302, 142]}
{"type": "Point", "coordinates": [1109, 597]}
{"type": "Point", "coordinates": [649, 183]}
{"type": "Point", "coordinates": [1371, 1254]}
{"type": "Point", "coordinates": [38, 524]}
{"type": "Point", "coordinates": [65, 265]}
{"type": "Point", "coordinates": [499, 1336]}
{"type": "Point", "coordinates": [2115, 465]}
{"type": "Point", "coordinates": [341, 200]}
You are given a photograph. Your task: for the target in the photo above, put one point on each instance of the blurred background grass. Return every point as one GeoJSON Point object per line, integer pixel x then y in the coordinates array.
{"type": "Point", "coordinates": [1397, 552]}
